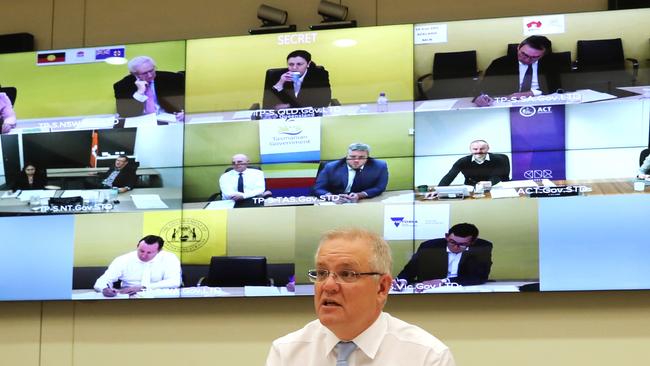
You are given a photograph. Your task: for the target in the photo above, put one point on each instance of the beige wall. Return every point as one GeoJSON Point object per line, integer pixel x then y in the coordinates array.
{"type": "Point", "coordinates": [76, 23]}
{"type": "Point", "coordinates": [594, 328]}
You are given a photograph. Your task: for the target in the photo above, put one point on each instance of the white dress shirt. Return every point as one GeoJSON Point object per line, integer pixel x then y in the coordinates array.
{"type": "Point", "coordinates": [164, 271]}
{"type": "Point", "coordinates": [387, 342]}
{"type": "Point", "coordinates": [253, 183]}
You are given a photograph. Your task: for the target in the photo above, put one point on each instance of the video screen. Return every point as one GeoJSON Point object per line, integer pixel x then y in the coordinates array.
{"type": "Point", "coordinates": [212, 167]}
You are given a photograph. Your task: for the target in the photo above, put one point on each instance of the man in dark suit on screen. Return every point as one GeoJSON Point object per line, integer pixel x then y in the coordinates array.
{"type": "Point", "coordinates": [355, 177]}
{"type": "Point", "coordinates": [527, 73]}
{"type": "Point", "coordinates": [147, 90]}
{"type": "Point", "coordinates": [122, 175]}
{"type": "Point", "coordinates": [479, 166]}
{"type": "Point", "coordinates": [460, 257]}
{"type": "Point", "coordinates": [301, 84]}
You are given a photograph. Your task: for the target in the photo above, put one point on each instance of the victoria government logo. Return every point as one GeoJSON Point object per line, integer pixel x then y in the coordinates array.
{"type": "Point", "coordinates": [185, 235]}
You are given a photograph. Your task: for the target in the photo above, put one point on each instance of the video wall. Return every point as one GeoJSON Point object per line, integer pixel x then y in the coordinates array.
{"type": "Point", "coordinates": [210, 167]}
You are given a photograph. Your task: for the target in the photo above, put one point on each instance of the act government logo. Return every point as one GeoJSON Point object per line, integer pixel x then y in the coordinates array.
{"type": "Point", "coordinates": [185, 235]}
{"type": "Point", "coordinates": [527, 111]}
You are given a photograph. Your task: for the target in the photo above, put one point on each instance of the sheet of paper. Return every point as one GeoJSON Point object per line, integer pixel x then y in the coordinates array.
{"type": "Point", "coordinates": [166, 117]}
{"type": "Point", "coordinates": [141, 121]}
{"type": "Point", "coordinates": [589, 95]}
{"type": "Point", "coordinates": [147, 201]}
{"type": "Point", "coordinates": [205, 119]}
{"type": "Point", "coordinates": [220, 205]}
{"type": "Point", "coordinates": [261, 291]}
{"type": "Point", "coordinates": [242, 115]}
{"type": "Point", "coordinates": [517, 184]}
{"type": "Point", "coordinates": [504, 193]}
{"type": "Point", "coordinates": [41, 193]}
{"type": "Point", "coordinates": [10, 194]}
{"type": "Point", "coordinates": [437, 105]}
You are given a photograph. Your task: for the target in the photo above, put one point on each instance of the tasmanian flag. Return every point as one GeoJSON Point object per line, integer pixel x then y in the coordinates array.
{"type": "Point", "coordinates": [94, 146]}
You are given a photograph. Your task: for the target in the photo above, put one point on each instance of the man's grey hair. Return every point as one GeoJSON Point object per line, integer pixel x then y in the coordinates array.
{"type": "Point", "coordinates": [358, 146]}
{"type": "Point", "coordinates": [139, 60]}
{"type": "Point", "coordinates": [381, 260]}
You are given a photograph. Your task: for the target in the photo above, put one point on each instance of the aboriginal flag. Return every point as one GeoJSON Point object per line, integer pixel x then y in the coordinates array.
{"type": "Point", "coordinates": [51, 57]}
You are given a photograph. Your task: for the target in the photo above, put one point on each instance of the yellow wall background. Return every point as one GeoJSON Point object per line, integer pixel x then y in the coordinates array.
{"type": "Point", "coordinates": [594, 328]}
{"type": "Point", "coordinates": [77, 89]}
{"type": "Point", "coordinates": [228, 73]}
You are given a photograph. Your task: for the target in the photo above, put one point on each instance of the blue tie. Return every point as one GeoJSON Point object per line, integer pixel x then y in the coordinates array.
{"type": "Point", "coordinates": [344, 349]}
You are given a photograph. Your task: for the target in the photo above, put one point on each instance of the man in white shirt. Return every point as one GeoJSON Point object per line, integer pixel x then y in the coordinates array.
{"type": "Point", "coordinates": [241, 182]}
{"type": "Point", "coordinates": [148, 267]}
{"type": "Point", "coordinates": [352, 279]}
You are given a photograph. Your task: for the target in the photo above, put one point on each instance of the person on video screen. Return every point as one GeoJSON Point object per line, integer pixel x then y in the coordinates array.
{"type": "Point", "coordinates": [147, 90]}
{"type": "Point", "coordinates": [644, 169]}
{"type": "Point", "coordinates": [351, 284]}
{"type": "Point", "coordinates": [460, 257]}
{"type": "Point", "coordinates": [7, 114]}
{"type": "Point", "coordinates": [301, 84]}
{"type": "Point", "coordinates": [30, 178]}
{"type": "Point", "coordinates": [148, 267]}
{"type": "Point", "coordinates": [354, 177]}
{"type": "Point", "coordinates": [479, 166]}
{"type": "Point", "coordinates": [526, 73]}
{"type": "Point", "coordinates": [121, 175]}
{"type": "Point", "coordinates": [241, 182]}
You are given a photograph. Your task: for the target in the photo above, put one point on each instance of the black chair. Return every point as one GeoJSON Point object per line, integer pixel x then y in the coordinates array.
{"type": "Point", "coordinates": [85, 277]}
{"type": "Point", "coordinates": [237, 272]}
{"type": "Point", "coordinates": [601, 65]}
{"type": "Point", "coordinates": [279, 273]}
{"type": "Point", "coordinates": [11, 92]}
{"type": "Point", "coordinates": [16, 42]}
{"type": "Point", "coordinates": [454, 75]}
{"type": "Point", "coordinates": [194, 274]}
{"type": "Point", "coordinates": [644, 154]}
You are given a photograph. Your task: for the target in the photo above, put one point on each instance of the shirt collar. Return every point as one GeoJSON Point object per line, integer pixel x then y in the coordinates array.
{"type": "Point", "coordinates": [368, 341]}
{"type": "Point", "coordinates": [487, 158]}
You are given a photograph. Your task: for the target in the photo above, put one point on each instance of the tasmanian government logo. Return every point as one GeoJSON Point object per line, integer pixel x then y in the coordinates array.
{"type": "Point", "coordinates": [538, 174]}
{"type": "Point", "coordinates": [290, 127]}
{"type": "Point", "coordinates": [527, 111]}
{"type": "Point", "coordinates": [185, 235]}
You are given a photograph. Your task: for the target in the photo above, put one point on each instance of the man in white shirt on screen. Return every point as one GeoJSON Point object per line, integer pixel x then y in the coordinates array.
{"type": "Point", "coordinates": [148, 267]}
{"type": "Point", "coordinates": [352, 279]}
{"type": "Point", "coordinates": [241, 182]}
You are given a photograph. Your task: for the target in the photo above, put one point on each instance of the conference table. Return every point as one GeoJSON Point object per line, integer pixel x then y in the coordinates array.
{"type": "Point", "coordinates": [300, 290]}
{"type": "Point", "coordinates": [94, 201]}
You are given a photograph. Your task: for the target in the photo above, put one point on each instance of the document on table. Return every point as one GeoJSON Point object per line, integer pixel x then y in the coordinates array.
{"type": "Point", "coordinates": [148, 201]}
{"type": "Point", "coordinates": [41, 193]}
{"type": "Point", "coordinates": [10, 194]}
{"type": "Point", "coordinates": [220, 205]}
{"type": "Point", "coordinates": [436, 105]}
{"type": "Point", "coordinates": [140, 121]}
{"type": "Point", "coordinates": [504, 193]}
{"type": "Point", "coordinates": [517, 184]}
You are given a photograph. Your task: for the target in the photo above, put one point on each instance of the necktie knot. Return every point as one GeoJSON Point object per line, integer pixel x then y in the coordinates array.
{"type": "Point", "coordinates": [344, 349]}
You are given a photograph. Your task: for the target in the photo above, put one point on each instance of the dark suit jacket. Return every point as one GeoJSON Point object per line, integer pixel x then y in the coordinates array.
{"type": "Point", "coordinates": [502, 76]}
{"type": "Point", "coordinates": [430, 262]}
{"type": "Point", "coordinates": [314, 92]}
{"type": "Point", "coordinates": [170, 92]}
{"type": "Point", "coordinates": [334, 178]}
{"type": "Point", "coordinates": [126, 178]}
{"type": "Point", "coordinates": [496, 170]}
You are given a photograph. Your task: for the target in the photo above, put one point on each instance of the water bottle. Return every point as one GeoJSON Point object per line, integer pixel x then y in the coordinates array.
{"type": "Point", "coordinates": [382, 103]}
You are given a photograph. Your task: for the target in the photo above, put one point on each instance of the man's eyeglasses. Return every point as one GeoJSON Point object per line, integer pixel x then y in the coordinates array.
{"type": "Point", "coordinates": [356, 157]}
{"type": "Point", "coordinates": [524, 54]}
{"type": "Point", "coordinates": [344, 276]}
{"type": "Point", "coordinates": [461, 246]}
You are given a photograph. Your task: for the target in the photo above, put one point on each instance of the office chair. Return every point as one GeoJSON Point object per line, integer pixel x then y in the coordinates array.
{"type": "Point", "coordinates": [644, 154]}
{"type": "Point", "coordinates": [602, 65]}
{"type": "Point", "coordinates": [454, 75]}
{"type": "Point", "coordinates": [270, 78]}
{"type": "Point", "coordinates": [16, 42]}
{"type": "Point", "coordinates": [11, 92]}
{"type": "Point", "coordinates": [237, 272]}
{"type": "Point", "coordinates": [279, 273]}
{"type": "Point", "coordinates": [84, 278]}
{"type": "Point", "coordinates": [193, 274]}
